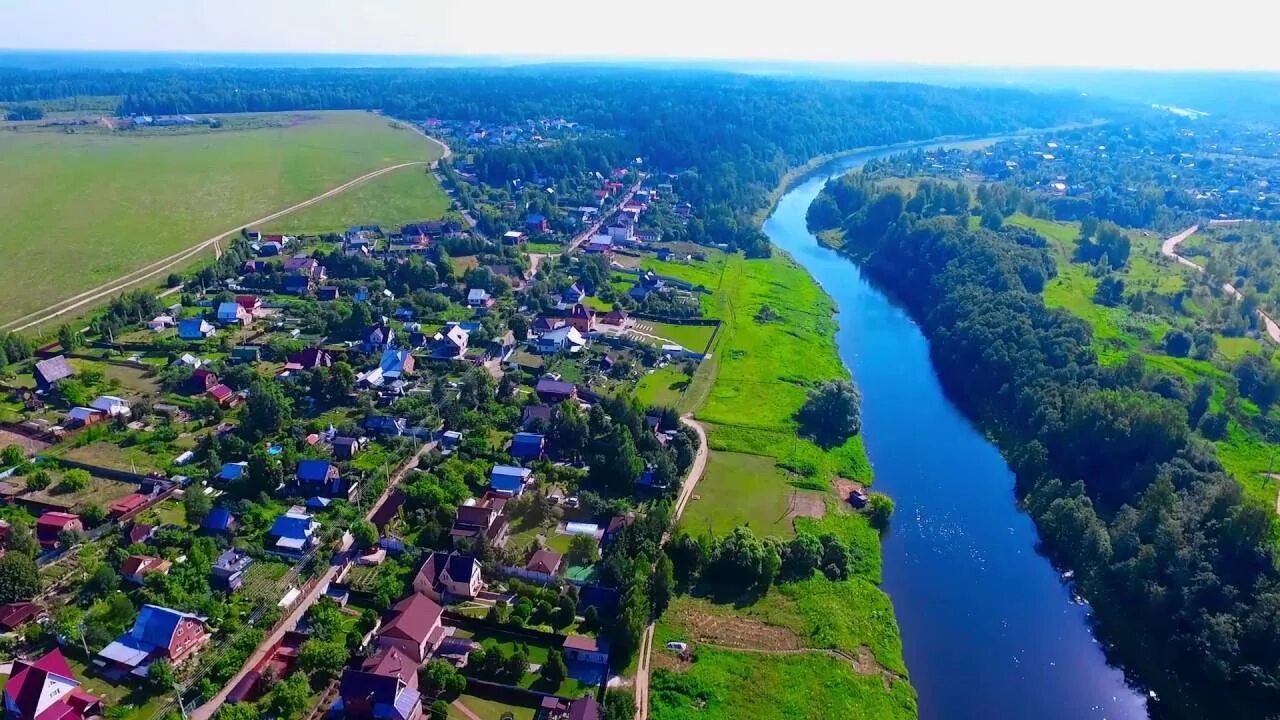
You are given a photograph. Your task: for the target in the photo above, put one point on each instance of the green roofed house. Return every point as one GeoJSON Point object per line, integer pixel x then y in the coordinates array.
{"type": "Point", "coordinates": [246, 354]}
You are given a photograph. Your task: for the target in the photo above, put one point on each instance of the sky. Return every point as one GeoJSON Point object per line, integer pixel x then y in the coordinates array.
{"type": "Point", "coordinates": [1149, 34]}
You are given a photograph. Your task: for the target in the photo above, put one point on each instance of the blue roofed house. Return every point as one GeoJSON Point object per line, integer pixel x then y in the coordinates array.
{"type": "Point", "coordinates": [232, 472]}
{"type": "Point", "coordinates": [194, 329]}
{"type": "Point", "coordinates": [324, 479]}
{"type": "Point", "coordinates": [158, 633]}
{"type": "Point", "coordinates": [219, 521]}
{"type": "Point", "coordinates": [509, 480]}
{"type": "Point", "coordinates": [384, 688]}
{"type": "Point", "coordinates": [536, 223]}
{"type": "Point", "coordinates": [527, 445]}
{"type": "Point", "coordinates": [228, 571]}
{"type": "Point", "coordinates": [293, 534]}
{"type": "Point", "coordinates": [386, 425]}
{"type": "Point", "coordinates": [572, 294]}
{"type": "Point", "coordinates": [233, 313]}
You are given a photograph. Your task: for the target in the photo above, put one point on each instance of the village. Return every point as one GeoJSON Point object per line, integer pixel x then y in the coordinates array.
{"type": "Point", "coordinates": [355, 475]}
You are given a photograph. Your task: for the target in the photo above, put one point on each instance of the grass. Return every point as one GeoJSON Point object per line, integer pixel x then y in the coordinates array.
{"type": "Point", "coordinates": [491, 709]}
{"type": "Point", "coordinates": [693, 337]}
{"type": "Point", "coordinates": [407, 195]}
{"type": "Point", "coordinates": [111, 456]}
{"type": "Point", "coordinates": [100, 491]}
{"type": "Point", "coordinates": [491, 638]}
{"type": "Point", "coordinates": [145, 704]}
{"type": "Point", "coordinates": [169, 512]}
{"type": "Point", "coordinates": [760, 492]}
{"type": "Point", "coordinates": [664, 386]}
{"type": "Point", "coordinates": [134, 198]}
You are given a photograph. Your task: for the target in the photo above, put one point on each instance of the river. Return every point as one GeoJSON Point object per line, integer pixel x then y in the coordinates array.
{"type": "Point", "coordinates": [989, 630]}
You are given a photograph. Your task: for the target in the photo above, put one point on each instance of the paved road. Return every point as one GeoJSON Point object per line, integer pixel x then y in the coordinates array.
{"type": "Point", "coordinates": [591, 231]}
{"type": "Point", "coordinates": [183, 257]}
{"type": "Point", "coordinates": [1169, 248]}
{"type": "Point", "coordinates": [206, 711]}
{"type": "Point", "coordinates": [686, 492]}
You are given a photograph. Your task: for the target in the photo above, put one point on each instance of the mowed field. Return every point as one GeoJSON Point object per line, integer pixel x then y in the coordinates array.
{"type": "Point", "coordinates": [401, 196]}
{"type": "Point", "coordinates": [83, 209]}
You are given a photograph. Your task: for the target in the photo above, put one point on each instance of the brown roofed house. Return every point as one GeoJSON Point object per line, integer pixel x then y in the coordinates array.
{"type": "Point", "coordinates": [414, 627]}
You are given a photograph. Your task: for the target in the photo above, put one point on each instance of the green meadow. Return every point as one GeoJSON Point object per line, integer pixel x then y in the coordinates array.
{"type": "Point", "coordinates": [401, 196]}
{"type": "Point", "coordinates": [85, 208]}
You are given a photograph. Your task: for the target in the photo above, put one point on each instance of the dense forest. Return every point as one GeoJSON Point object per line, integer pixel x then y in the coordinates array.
{"type": "Point", "coordinates": [730, 138]}
{"type": "Point", "coordinates": [1180, 570]}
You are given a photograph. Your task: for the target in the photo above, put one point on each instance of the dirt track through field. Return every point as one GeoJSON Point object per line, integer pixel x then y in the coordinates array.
{"type": "Point", "coordinates": [1169, 248]}
{"type": "Point", "coordinates": [184, 257]}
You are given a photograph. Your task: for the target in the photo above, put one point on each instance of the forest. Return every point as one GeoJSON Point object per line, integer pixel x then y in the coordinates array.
{"type": "Point", "coordinates": [1179, 569]}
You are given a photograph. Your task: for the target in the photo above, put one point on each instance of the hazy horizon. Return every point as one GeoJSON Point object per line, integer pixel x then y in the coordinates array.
{"type": "Point", "coordinates": [985, 34]}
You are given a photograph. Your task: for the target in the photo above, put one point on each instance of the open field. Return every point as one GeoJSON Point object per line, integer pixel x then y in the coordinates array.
{"type": "Point", "coordinates": [693, 337]}
{"type": "Point", "coordinates": [490, 709]}
{"type": "Point", "coordinates": [739, 489]}
{"type": "Point", "coordinates": [87, 208]}
{"type": "Point", "coordinates": [663, 386]}
{"type": "Point", "coordinates": [403, 196]}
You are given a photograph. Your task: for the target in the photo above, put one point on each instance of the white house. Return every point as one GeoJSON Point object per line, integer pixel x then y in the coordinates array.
{"type": "Point", "coordinates": [563, 338]}
{"type": "Point", "coordinates": [478, 298]}
{"type": "Point", "coordinates": [449, 574]}
{"type": "Point", "coordinates": [111, 405]}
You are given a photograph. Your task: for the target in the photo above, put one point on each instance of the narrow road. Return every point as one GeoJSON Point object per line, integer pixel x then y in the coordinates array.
{"type": "Point", "coordinates": [1169, 248]}
{"type": "Point", "coordinates": [206, 711]}
{"type": "Point", "coordinates": [591, 231]}
{"type": "Point", "coordinates": [182, 257]}
{"type": "Point", "coordinates": [682, 500]}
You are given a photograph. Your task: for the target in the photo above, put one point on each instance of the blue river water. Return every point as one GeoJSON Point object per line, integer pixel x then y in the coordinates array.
{"type": "Point", "coordinates": [989, 629]}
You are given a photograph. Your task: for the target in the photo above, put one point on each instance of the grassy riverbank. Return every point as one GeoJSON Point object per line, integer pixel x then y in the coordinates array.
{"type": "Point", "coordinates": [813, 649]}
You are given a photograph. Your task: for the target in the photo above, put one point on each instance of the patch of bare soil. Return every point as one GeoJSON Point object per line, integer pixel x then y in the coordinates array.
{"type": "Point", "coordinates": [30, 446]}
{"type": "Point", "coordinates": [664, 659]}
{"type": "Point", "coordinates": [805, 504]}
{"type": "Point", "coordinates": [845, 488]}
{"type": "Point", "coordinates": [738, 633]}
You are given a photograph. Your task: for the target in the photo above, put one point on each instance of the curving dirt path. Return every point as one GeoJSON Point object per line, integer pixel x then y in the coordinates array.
{"type": "Point", "coordinates": [181, 257]}
{"type": "Point", "coordinates": [1169, 248]}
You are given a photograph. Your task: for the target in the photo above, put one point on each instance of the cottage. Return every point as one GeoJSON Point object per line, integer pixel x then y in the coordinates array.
{"type": "Point", "coordinates": [482, 519]}
{"type": "Point", "coordinates": [536, 417]}
{"type": "Point", "coordinates": [230, 313]}
{"type": "Point", "coordinates": [219, 521]}
{"type": "Point", "coordinates": [345, 448]}
{"type": "Point", "coordinates": [313, 358]}
{"type": "Point", "coordinates": [566, 338]}
{"type": "Point", "coordinates": [600, 245]}
{"type": "Point", "coordinates": [508, 480]}
{"type": "Point", "coordinates": [545, 561]}
{"type": "Point", "coordinates": [527, 446]}
{"type": "Point", "coordinates": [386, 425]}
{"type": "Point", "coordinates": [414, 627]}
{"type": "Point", "coordinates": [324, 478]}
{"type": "Point", "coordinates": [293, 534]}
{"type": "Point", "coordinates": [195, 329]}
{"type": "Point", "coordinates": [52, 524]}
{"type": "Point", "coordinates": [554, 391]}
{"type": "Point", "coordinates": [202, 381]}
{"type": "Point", "coordinates": [502, 346]}
{"type": "Point", "coordinates": [47, 689]}
{"type": "Point", "coordinates": [478, 298]}
{"type": "Point", "coordinates": [223, 396]}
{"type": "Point", "coordinates": [135, 568]}
{"type": "Point", "coordinates": [84, 417]}
{"type": "Point", "coordinates": [127, 504]}
{"type": "Point", "coordinates": [188, 360]}
{"type": "Point", "coordinates": [111, 405]}
{"type": "Point", "coordinates": [396, 364]}
{"type": "Point", "coordinates": [159, 633]}
{"type": "Point", "coordinates": [160, 323]}
{"type": "Point", "coordinates": [378, 339]}
{"type": "Point", "coordinates": [384, 688]}
{"type": "Point", "coordinates": [245, 354]}
{"type": "Point", "coordinates": [536, 223]}
{"type": "Point", "coordinates": [232, 472]}
{"type": "Point", "coordinates": [228, 570]}
{"type": "Point", "coordinates": [583, 318]}
{"type": "Point", "coordinates": [49, 372]}
{"type": "Point", "coordinates": [446, 575]}
{"type": "Point", "coordinates": [138, 533]}
{"type": "Point", "coordinates": [15, 615]}
{"type": "Point", "coordinates": [572, 294]}
{"type": "Point", "coordinates": [514, 237]}
{"type": "Point", "coordinates": [579, 648]}
{"type": "Point", "coordinates": [451, 343]}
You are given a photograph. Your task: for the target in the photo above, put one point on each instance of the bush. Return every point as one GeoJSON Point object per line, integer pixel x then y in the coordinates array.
{"type": "Point", "coordinates": [74, 480]}
{"type": "Point", "coordinates": [19, 578]}
{"type": "Point", "coordinates": [879, 510]}
{"type": "Point", "coordinates": [833, 413]}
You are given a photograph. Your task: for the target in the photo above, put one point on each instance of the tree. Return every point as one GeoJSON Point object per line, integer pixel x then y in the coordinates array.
{"type": "Point", "coordinates": [290, 698]}
{"type": "Point", "coordinates": [661, 585]}
{"type": "Point", "coordinates": [1177, 343]}
{"type": "Point", "coordinates": [74, 480]}
{"type": "Point", "coordinates": [833, 412]}
{"type": "Point", "coordinates": [515, 664]}
{"type": "Point", "coordinates": [93, 514]}
{"type": "Point", "coordinates": [439, 710]}
{"type": "Point", "coordinates": [583, 550]}
{"type": "Point", "coordinates": [69, 338]}
{"type": "Point", "coordinates": [323, 658]}
{"type": "Point", "coordinates": [619, 705]}
{"type": "Point", "coordinates": [264, 473]}
{"type": "Point", "coordinates": [267, 411]}
{"type": "Point", "coordinates": [196, 505]}
{"type": "Point", "coordinates": [519, 327]}
{"type": "Point", "coordinates": [618, 466]}
{"type": "Point", "coordinates": [554, 670]}
{"type": "Point", "coordinates": [237, 711]}
{"type": "Point", "coordinates": [19, 577]}
{"type": "Point", "coordinates": [992, 220]}
{"type": "Point", "coordinates": [879, 510]}
{"type": "Point", "coordinates": [21, 539]}
{"type": "Point", "coordinates": [365, 534]}
{"type": "Point", "coordinates": [67, 622]}
{"type": "Point", "coordinates": [441, 678]}
{"type": "Point", "coordinates": [160, 676]}
{"type": "Point", "coordinates": [1110, 291]}
{"type": "Point", "coordinates": [12, 455]}
{"type": "Point", "coordinates": [102, 581]}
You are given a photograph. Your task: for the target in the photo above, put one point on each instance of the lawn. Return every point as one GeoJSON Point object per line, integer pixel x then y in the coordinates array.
{"type": "Point", "coordinates": [491, 638]}
{"type": "Point", "coordinates": [103, 454]}
{"type": "Point", "coordinates": [407, 195]}
{"type": "Point", "coordinates": [100, 491]}
{"type": "Point", "coordinates": [134, 198]}
{"type": "Point", "coordinates": [145, 704]}
{"type": "Point", "coordinates": [490, 709]}
{"type": "Point", "coordinates": [693, 337]}
{"type": "Point", "coordinates": [169, 512]}
{"type": "Point", "coordinates": [760, 493]}
{"type": "Point", "coordinates": [662, 386]}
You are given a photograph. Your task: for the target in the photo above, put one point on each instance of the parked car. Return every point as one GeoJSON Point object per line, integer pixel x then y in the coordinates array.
{"type": "Point", "coordinates": [677, 646]}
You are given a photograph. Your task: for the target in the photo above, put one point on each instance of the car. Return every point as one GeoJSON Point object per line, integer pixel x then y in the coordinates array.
{"type": "Point", "coordinates": [677, 646]}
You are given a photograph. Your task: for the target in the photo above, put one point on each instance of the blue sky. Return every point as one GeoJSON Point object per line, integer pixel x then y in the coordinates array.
{"type": "Point", "coordinates": [1168, 34]}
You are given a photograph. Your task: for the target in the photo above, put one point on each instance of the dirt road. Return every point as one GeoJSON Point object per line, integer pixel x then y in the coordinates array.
{"type": "Point", "coordinates": [1169, 248]}
{"type": "Point", "coordinates": [591, 231]}
{"type": "Point", "coordinates": [686, 492]}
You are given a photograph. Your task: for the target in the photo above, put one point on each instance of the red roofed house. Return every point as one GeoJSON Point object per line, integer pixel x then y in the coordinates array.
{"type": "Point", "coordinates": [136, 568]}
{"type": "Point", "coordinates": [223, 395]}
{"type": "Point", "coordinates": [580, 648]}
{"type": "Point", "coordinates": [414, 627]}
{"type": "Point", "coordinates": [583, 318]}
{"type": "Point", "coordinates": [15, 615]}
{"type": "Point", "coordinates": [203, 380]}
{"type": "Point", "coordinates": [47, 689]}
{"type": "Point", "coordinates": [544, 562]}
{"type": "Point", "coordinates": [127, 504]}
{"type": "Point", "coordinates": [449, 574]}
{"type": "Point", "coordinates": [51, 524]}
{"type": "Point", "coordinates": [249, 302]}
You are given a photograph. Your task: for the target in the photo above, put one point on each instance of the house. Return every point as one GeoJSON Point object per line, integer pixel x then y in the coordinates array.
{"type": "Point", "coordinates": [508, 480]}
{"type": "Point", "coordinates": [554, 391]}
{"type": "Point", "coordinates": [386, 425]}
{"type": "Point", "coordinates": [160, 323]}
{"type": "Point", "coordinates": [345, 448]}
{"type": "Point", "coordinates": [245, 354]}
{"type": "Point", "coordinates": [385, 687]}
{"type": "Point", "coordinates": [579, 648]}
{"type": "Point", "coordinates": [159, 633]}
{"type": "Point", "coordinates": [450, 343]}
{"type": "Point", "coordinates": [546, 323]}
{"type": "Point", "coordinates": [536, 416]}
{"type": "Point", "coordinates": [219, 521]}
{"type": "Point", "coordinates": [536, 223]}
{"type": "Point", "coordinates": [189, 360]}
{"type": "Point", "coordinates": [84, 417]}
{"type": "Point", "coordinates": [223, 396]}
{"type": "Point", "coordinates": [202, 381]}
{"type": "Point", "coordinates": [664, 254]}
{"type": "Point", "coordinates": [582, 318]}
{"type": "Point", "coordinates": [396, 364]}
{"type": "Point", "coordinates": [600, 245]}
{"type": "Point", "coordinates": [227, 574]}
{"type": "Point", "coordinates": [449, 575]}
{"type": "Point", "coordinates": [47, 689]}
{"type": "Point", "coordinates": [483, 518]}
{"type": "Point", "coordinates": [378, 339]}
{"type": "Point", "coordinates": [565, 338]}
{"type": "Point", "coordinates": [502, 345]}
{"type": "Point", "coordinates": [49, 372]}
{"type": "Point", "coordinates": [231, 472]}
{"type": "Point", "coordinates": [111, 405]}
{"type": "Point", "coordinates": [195, 329]}
{"type": "Point", "coordinates": [323, 478]}
{"type": "Point", "coordinates": [230, 313]}
{"type": "Point", "coordinates": [135, 568]}
{"type": "Point", "coordinates": [572, 294]}
{"type": "Point", "coordinates": [545, 561]}
{"type": "Point", "coordinates": [478, 298]}
{"type": "Point", "coordinates": [311, 359]}
{"type": "Point", "coordinates": [138, 533]}
{"type": "Point", "coordinates": [127, 504]}
{"type": "Point", "coordinates": [251, 303]}
{"type": "Point", "coordinates": [15, 615]}
{"type": "Point", "coordinates": [51, 524]}
{"type": "Point", "coordinates": [414, 627]}
{"type": "Point", "coordinates": [299, 285]}
{"type": "Point", "coordinates": [514, 237]}
{"type": "Point", "coordinates": [616, 316]}
{"type": "Point", "coordinates": [527, 445]}
{"type": "Point", "coordinates": [293, 534]}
